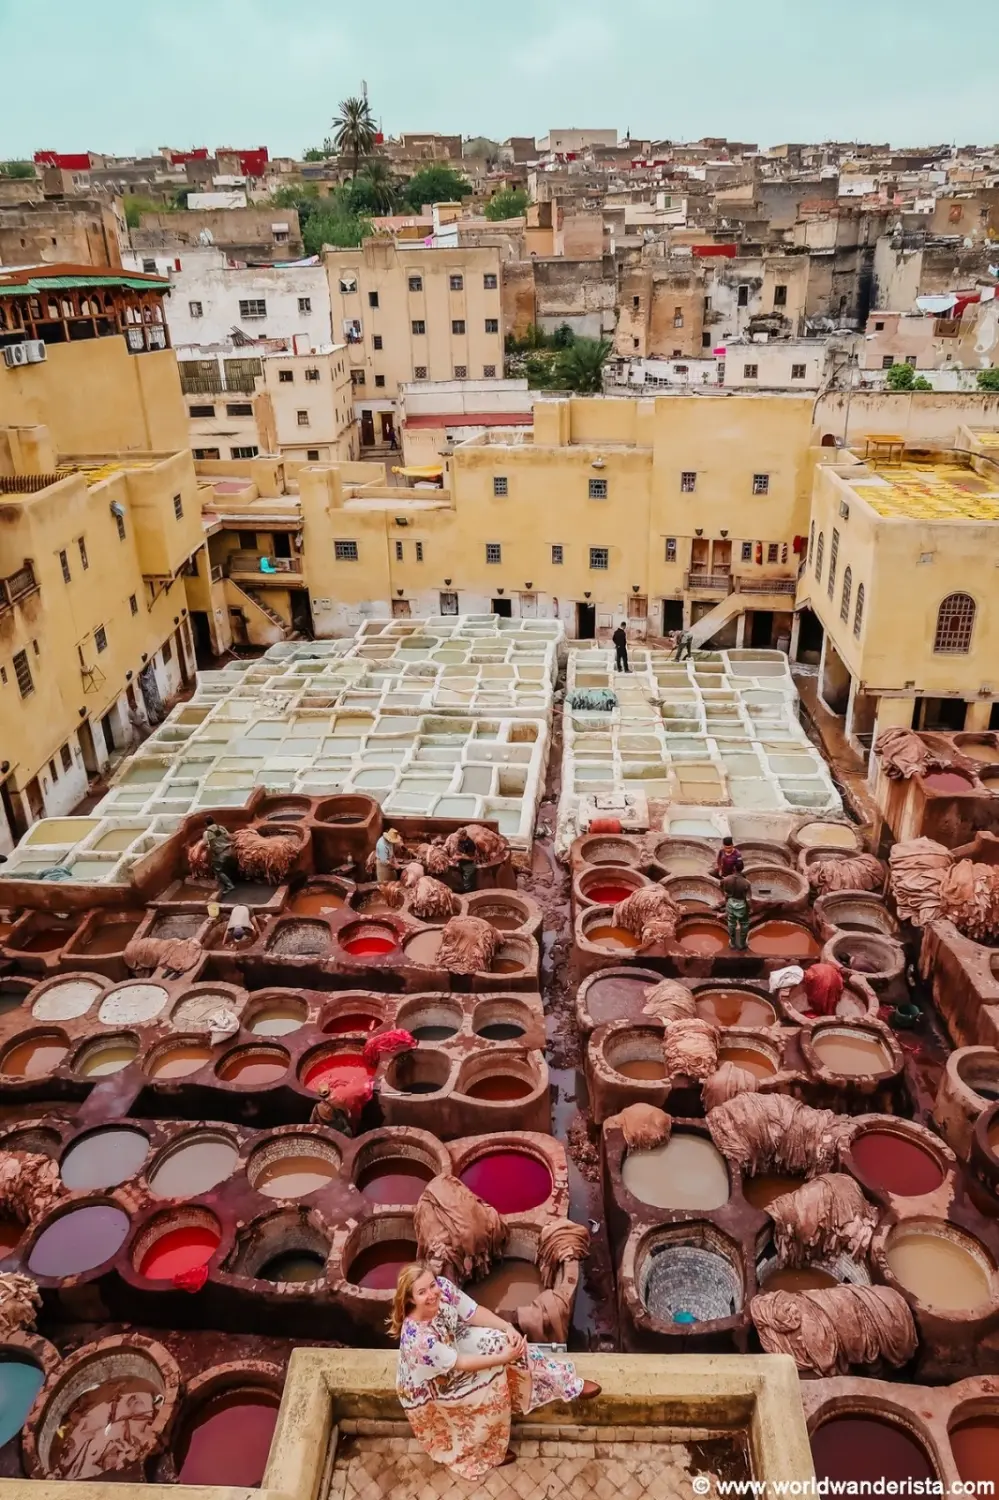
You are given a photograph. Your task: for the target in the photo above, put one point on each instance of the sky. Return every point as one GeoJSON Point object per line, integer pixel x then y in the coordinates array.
{"type": "Point", "coordinates": [128, 76]}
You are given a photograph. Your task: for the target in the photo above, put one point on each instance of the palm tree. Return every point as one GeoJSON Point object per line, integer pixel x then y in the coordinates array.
{"type": "Point", "coordinates": [580, 367]}
{"type": "Point", "coordinates": [354, 129]}
{"type": "Point", "coordinates": [377, 185]}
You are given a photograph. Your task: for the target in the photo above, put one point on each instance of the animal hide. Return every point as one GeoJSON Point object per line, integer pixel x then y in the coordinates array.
{"type": "Point", "coordinates": [468, 946]}
{"type": "Point", "coordinates": [691, 1048]}
{"type": "Point", "coordinates": [650, 913]}
{"type": "Point", "coordinates": [669, 1001]}
{"type": "Point", "coordinates": [831, 1331]}
{"type": "Point", "coordinates": [456, 1232]}
{"type": "Point", "coordinates": [431, 901]}
{"type": "Point", "coordinates": [858, 872]}
{"type": "Point", "coordinates": [725, 1083]}
{"type": "Point", "coordinates": [173, 955]}
{"type": "Point", "coordinates": [772, 1132]}
{"type": "Point", "coordinates": [490, 848]}
{"type": "Point", "coordinates": [642, 1125]}
{"type": "Point", "coordinates": [824, 1217]}
{"type": "Point", "coordinates": [265, 859]}
{"type": "Point", "coordinates": [20, 1301]}
{"type": "Point", "coordinates": [917, 868]}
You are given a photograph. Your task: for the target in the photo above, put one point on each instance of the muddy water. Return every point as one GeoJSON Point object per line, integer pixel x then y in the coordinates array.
{"type": "Point", "coordinates": [423, 948]}
{"type": "Point", "coordinates": [295, 1176]}
{"type": "Point", "coordinates": [734, 1008]}
{"type": "Point", "coordinates": [511, 1285]}
{"type": "Point", "coordinates": [394, 1179]}
{"type": "Point", "coordinates": [851, 1053]}
{"type": "Point", "coordinates": [939, 1272]}
{"type": "Point", "coordinates": [253, 1068]}
{"type": "Point", "coordinates": [688, 1172]}
{"type": "Point", "coordinates": [703, 937]}
{"type": "Point", "coordinates": [34, 1058]}
{"type": "Point", "coordinates": [179, 1062]}
{"type": "Point", "coordinates": [948, 781]}
{"type": "Point", "coordinates": [975, 1446]}
{"type": "Point", "coordinates": [276, 1020]}
{"type": "Point", "coordinates": [104, 1420]}
{"type": "Point", "coordinates": [293, 1266]}
{"type": "Point", "coordinates": [617, 998]}
{"type": "Point", "coordinates": [753, 1061]}
{"type": "Point", "coordinates": [797, 1279]}
{"type": "Point", "coordinates": [864, 1447]}
{"type": "Point", "coordinates": [897, 1165]}
{"type": "Point", "coordinates": [779, 939]}
{"type": "Point", "coordinates": [316, 903]}
{"type": "Point", "coordinates": [651, 1069]}
{"type": "Point", "coordinates": [762, 1189]}
{"type": "Point", "coordinates": [616, 939]}
{"type": "Point", "coordinates": [378, 1266]}
{"type": "Point", "coordinates": [111, 937]}
{"type": "Point", "coordinates": [499, 1087]}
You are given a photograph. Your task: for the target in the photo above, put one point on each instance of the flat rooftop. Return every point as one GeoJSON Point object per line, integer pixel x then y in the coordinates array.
{"type": "Point", "coordinates": [939, 491]}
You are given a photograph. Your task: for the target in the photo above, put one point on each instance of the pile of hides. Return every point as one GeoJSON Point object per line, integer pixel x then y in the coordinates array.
{"type": "Point", "coordinates": [650, 913]}
{"type": "Point", "coordinates": [456, 1232]}
{"type": "Point", "coordinates": [491, 848]}
{"type": "Point", "coordinates": [431, 900]}
{"type": "Point", "coordinates": [546, 1320]}
{"type": "Point", "coordinates": [858, 872]}
{"type": "Point", "coordinates": [107, 1436]}
{"type": "Point", "coordinates": [593, 700]}
{"type": "Point", "coordinates": [903, 754]}
{"type": "Point", "coordinates": [771, 1132]}
{"type": "Point", "coordinates": [642, 1125]}
{"type": "Point", "coordinates": [917, 869]}
{"type": "Point", "coordinates": [174, 956]}
{"type": "Point", "coordinates": [20, 1300]}
{"type": "Point", "coordinates": [725, 1083]}
{"type": "Point", "coordinates": [394, 893]}
{"type": "Point", "coordinates": [690, 1048]}
{"type": "Point", "coordinates": [969, 897]}
{"type": "Point", "coordinates": [829, 1331]}
{"type": "Point", "coordinates": [266, 859]}
{"type": "Point", "coordinates": [669, 1001]}
{"type": "Point", "coordinates": [30, 1185]}
{"type": "Point", "coordinates": [823, 984]}
{"type": "Point", "coordinates": [468, 945]}
{"type": "Point", "coordinates": [199, 860]}
{"type": "Point", "coordinates": [434, 858]}
{"type": "Point", "coordinates": [929, 885]}
{"type": "Point", "coordinates": [825, 1217]}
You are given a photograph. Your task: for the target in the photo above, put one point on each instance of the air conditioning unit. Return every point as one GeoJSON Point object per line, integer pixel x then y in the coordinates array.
{"type": "Point", "coordinates": [15, 355]}
{"type": "Point", "coordinates": [37, 352]}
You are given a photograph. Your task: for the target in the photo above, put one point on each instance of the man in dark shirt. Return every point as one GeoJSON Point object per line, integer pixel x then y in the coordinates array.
{"type": "Point", "coordinates": [728, 858]}
{"type": "Point", "coordinates": [736, 889]}
{"type": "Point", "coordinates": [620, 640]}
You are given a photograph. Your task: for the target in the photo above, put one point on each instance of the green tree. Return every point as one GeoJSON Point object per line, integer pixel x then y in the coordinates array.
{"type": "Point", "coordinates": [375, 190]}
{"type": "Point", "coordinates": [563, 337]}
{"type": "Point", "coordinates": [19, 169]}
{"type": "Point", "coordinates": [435, 184]}
{"type": "Point", "coordinates": [314, 153]}
{"type": "Point", "coordinates": [580, 367]}
{"type": "Point", "coordinates": [354, 130]}
{"type": "Point", "coordinates": [900, 378]}
{"type": "Point", "coordinates": [508, 203]}
{"type": "Point", "coordinates": [988, 380]}
{"type": "Point", "coordinates": [334, 227]}
{"type": "Point", "coordinates": [922, 384]}
{"type": "Point", "coordinates": [136, 205]}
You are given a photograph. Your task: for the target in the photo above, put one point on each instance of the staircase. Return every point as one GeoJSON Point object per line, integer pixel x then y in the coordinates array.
{"type": "Point", "coordinates": [263, 623]}
{"type": "Point", "coordinates": [747, 593]}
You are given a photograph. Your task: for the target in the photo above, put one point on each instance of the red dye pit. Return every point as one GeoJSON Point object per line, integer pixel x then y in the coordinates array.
{"type": "Point", "coordinates": [897, 1165]}
{"type": "Point", "coordinates": [377, 1267]}
{"type": "Point", "coordinates": [368, 947]}
{"type": "Point", "coordinates": [394, 1179]}
{"type": "Point", "coordinates": [11, 1230]}
{"type": "Point", "coordinates": [229, 1439]}
{"type": "Point", "coordinates": [862, 1447]}
{"type": "Point", "coordinates": [975, 1446]}
{"type": "Point", "coordinates": [947, 781]}
{"type": "Point", "coordinates": [511, 1181]}
{"type": "Point", "coordinates": [336, 1070]}
{"type": "Point", "coordinates": [350, 1024]}
{"type": "Point", "coordinates": [179, 1250]}
{"type": "Point", "coordinates": [499, 1087]}
{"type": "Point", "coordinates": [608, 895]}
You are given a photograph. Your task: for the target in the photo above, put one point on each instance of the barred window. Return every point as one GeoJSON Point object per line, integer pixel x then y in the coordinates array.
{"type": "Point", "coordinates": [747, 552]}
{"type": "Point", "coordinates": [398, 552]}
{"type": "Point", "coordinates": [489, 281]}
{"type": "Point", "coordinates": [457, 282]}
{"type": "Point", "coordinates": [858, 611]}
{"type": "Point", "coordinates": [419, 325]}
{"type": "Point", "coordinates": [833, 556]}
{"type": "Point", "coordinates": [345, 551]}
{"type": "Point", "coordinates": [797, 372]}
{"type": "Point", "coordinates": [64, 564]}
{"type": "Point", "coordinates": [761, 484]}
{"type": "Point", "coordinates": [750, 372]}
{"type": "Point", "coordinates": [457, 325]}
{"type": "Point", "coordinates": [22, 671]}
{"type": "Point", "coordinates": [599, 557]}
{"type": "Point", "coordinates": [489, 372]}
{"type": "Point", "coordinates": [811, 541]}
{"type": "Point", "coordinates": [84, 560]}
{"type": "Point", "coordinates": [178, 507]}
{"type": "Point", "coordinates": [819, 553]}
{"type": "Point", "coordinates": [253, 307]}
{"type": "Point", "coordinates": [844, 603]}
{"type": "Point", "coordinates": [419, 372]}
{"type": "Point", "coordinates": [461, 372]}
{"type": "Point", "coordinates": [671, 549]}
{"type": "Point", "coordinates": [419, 551]}
{"type": "Point", "coordinates": [494, 552]}
{"type": "Point", "coordinates": [955, 622]}
{"type": "Point", "coordinates": [492, 325]}
{"type": "Point", "coordinates": [557, 554]}
{"type": "Point", "coordinates": [101, 638]}
{"type": "Point", "coordinates": [133, 604]}
{"type": "Point", "coordinates": [416, 283]}
{"type": "Point", "coordinates": [688, 482]}
{"type": "Point", "coordinates": [500, 485]}
{"type": "Point", "coordinates": [598, 489]}
{"type": "Point", "coordinates": [66, 755]}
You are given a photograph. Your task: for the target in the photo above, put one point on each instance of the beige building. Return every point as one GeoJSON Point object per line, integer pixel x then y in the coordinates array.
{"type": "Point", "coordinates": [242, 405]}
{"type": "Point", "coordinates": [409, 313]}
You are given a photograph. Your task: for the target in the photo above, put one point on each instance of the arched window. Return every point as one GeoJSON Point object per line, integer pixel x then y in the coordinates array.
{"type": "Point", "coordinates": [828, 440]}
{"type": "Point", "coordinates": [819, 549]}
{"type": "Point", "coordinates": [844, 605]}
{"type": "Point", "coordinates": [811, 541]}
{"type": "Point", "coordinates": [955, 622]}
{"type": "Point", "coordinates": [858, 613]}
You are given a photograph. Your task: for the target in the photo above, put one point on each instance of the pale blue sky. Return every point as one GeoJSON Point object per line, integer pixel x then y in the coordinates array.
{"type": "Point", "coordinates": [130, 75]}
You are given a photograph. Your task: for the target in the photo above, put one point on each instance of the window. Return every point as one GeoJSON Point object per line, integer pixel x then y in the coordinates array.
{"type": "Point", "coordinates": [773, 552]}
{"type": "Point", "coordinates": [833, 556]}
{"type": "Point", "coordinates": [239, 409]}
{"type": "Point", "coordinates": [398, 552]}
{"type": "Point", "coordinates": [195, 309]}
{"type": "Point", "coordinates": [178, 507]}
{"type": "Point", "coordinates": [598, 489]}
{"type": "Point", "coordinates": [887, 360]}
{"type": "Point", "coordinates": [457, 325]}
{"type": "Point", "coordinates": [449, 604]}
{"type": "Point", "coordinates": [416, 283]}
{"type": "Point", "coordinates": [780, 295]}
{"type": "Point", "coordinates": [820, 548]}
{"type": "Point", "coordinates": [66, 756]}
{"type": "Point", "coordinates": [461, 372]}
{"type": "Point", "coordinates": [305, 304]}
{"type": "Point", "coordinates": [67, 576]}
{"type": "Point", "coordinates": [206, 453]}
{"type": "Point", "coordinates": [419, 372]}
{"type": "Point", "coordinates": [858, 611]}
{"type": "Point", "coordinates": [377, 341]}
{"type": "Point", "coordinates": [356, 378]}
{"type": "Point", "coordinates": [743, 297]}
{"type": "Point", "coordinates": [419, 552]}
{"type": "Point", "coordinates": [489, 281]}
{"type": "Point", "coordinates": [671, 549]}
{"type": "Point", "coordinates": [494, 552]}
{"type": "Point", "coordinates": [418, 325]}
{"type": "Point", "coordinates": [149, 266]}
{"type": "Point", "coordinates": [286, 377]}
{"type": "Point", "coordinates": [705, 341]}
{"type": "Point", "coordinates": [844, 603]}
{"type": "Point", "coordinates": [302, 418]}
{"type": "Point", "coordinates": [202, 410]}
{"type": "Point", "coordinates": [52, 770]}
{"type": "Point", "coordinates": [557, 555]}
{"type": "Point", "coordinates": [312, 375]}
{"type": "Point", "coordinates": [253, 307]}
{"type": "Point", "coordinates": [599, 557]}
{"type": "Point", "coordinates": [312, 454]}
{"type": "Point", "coordinates": [878, 327]}
{"type": "Point", "coordinates": [681, 369]}
{"type": "Point", "coordinates": [761, 484]}
{"type": "Point", "coordinates": [22, 671]}
{"type": "Point", "coordinates": [750, 372]}
{"type": "Point", "coordinates": [345, 551]}
{"type": "Point", "coordinates": [678, 318]}
{"type": "Point", "coordinates": [501, 485]}
{"type": "Point", "coordinates": [910, 359]}
{"type": "Point", "coordinates": [101, 638]}
{"type": "Point", "coordinates": [133, 604]}
{"type": "Point", "coordinates": [248, 450]}
{"type": "Point", "coordinates": [492, 325]}
{"type": "Point", "coordinates": [955, 622]}
{"type": "Point", "coordinates": [380, 382]}
{"type": "Point", "coordinates": [120, 523]}
{"type": "Point", "coordinates": [747, 552]}
{"type": "Point", "coordinates": [797, 372]}
{"type": "Point", "coordinates": [84, 560]}
{"type": "Point", "coordinates": [372, 299]}
{"type": "Point", "coordinates": [456, 283]}
{"type": "Point", "coordinates": [688, 481]}
{"type": "Point", "coordinates": [348, 282]}
{"type": "Point", "coordinates": [489, 372]}
{"type": "Point", "coordinates": [811, 542]}
{"type": "Point", "coordinates": [167, 653]}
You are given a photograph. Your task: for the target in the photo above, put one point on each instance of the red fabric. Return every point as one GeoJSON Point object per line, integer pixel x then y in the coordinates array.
{"type": "Point", "coordinates": [605, 825]}
{"type": "Point", "coordinates": [823, 988]}
{"type": "Point", "coordinates": [389, 1042]}
{"type": "Point", "coordinates": [192, 1280]}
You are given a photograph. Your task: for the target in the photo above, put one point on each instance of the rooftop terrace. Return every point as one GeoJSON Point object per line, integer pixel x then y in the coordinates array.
{"type": "Point", "coordinates": [941, 489]}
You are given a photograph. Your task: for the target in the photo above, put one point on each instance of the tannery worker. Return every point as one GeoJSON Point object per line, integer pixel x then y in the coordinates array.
{"type": "Point", "coordinates": [620, 639]}
{"type": "Point", "coordinates": [385, 851]}
{"type": "Point", "coordinates": [729, 859]}
{"type": "Point", "coordinates": [736, 889]}
{"type": "Point", "coordinates": [219, 842]}
{"type": "Point", "coordinates": [240, 925]}
{"type": "Point", "coordinates": [467, 868]}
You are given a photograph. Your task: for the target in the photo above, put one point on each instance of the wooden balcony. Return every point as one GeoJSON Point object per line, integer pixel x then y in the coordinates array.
{"type": "Point", "coordinates": [709, 583]}
{"type": "Point", "coordinates": [244, 567]}
{"type": "Point", "coordinates": [750, 583]}
{"type": "Point", "coordinates": [17, 586]}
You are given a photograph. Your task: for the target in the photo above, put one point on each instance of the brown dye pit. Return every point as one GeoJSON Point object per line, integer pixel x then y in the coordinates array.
{"type": "Point", "coordinates": [179, 1062]}
{"type": "Point", "coordinates": [797, 1279]}
{"type": "Point", "coordinates": [779, 939]}
{"type": "Point", "coordinates": [734, 1008]}
{"type": "Point", "coordinates": [939, 1272]}
{"type": "Point", "coordinates": [102, 1426]}
{"type": "Point", "coordinates": [646, 1068]}
{"type": "Point", "coordinates": [254, 1068]}
{"type": "Point", "coordinates": [851, 1053]}
{"type": "Point", "coordinates": [688, 1172]}
{"type": "Point", "coordinates": [394, 1179]}
{"type": "Point", "coordinates": [316, 903]}
{"type": "Point", "coordinates": [45, 939]}
{"type": "Point", "coordinates": [617, 998]}
{"type": "Point", "coordinates": [511, 1285]}
{"type": "Point", "coordinates": [974, 1443]}
{"type": "Point", "coordinates": [377, 1267]}
{"type": "Point", "coordinates": [423, 948]}
{"type": "Point", "coordinates": [276, 1020]}
{"type": "Point", "coordinates": [293, 1266]}
{"type": "Point", "coordinates": [702, 937]}
{"type": "Point", "coordinates": [748, 1058]}
{"type": "Point", "coordinates": [34, 1058]}
{"type": "Point", "coordinates": [762, 1189]}
{"type": "Point", "coordinates": [606, 935]}
{"type": "Point", "coordinates": [295, 1176]}
{"type": "Point", "coordinates": [110, 937]}
{"type": "Point", "coordinates": [506, 966]}
{"type": "Point", "coordinates": [854, 1447]}
{"type": "Point", "coordinates": [11, 1230]}
{"type": "Point", "coordinates": [499, 1087]}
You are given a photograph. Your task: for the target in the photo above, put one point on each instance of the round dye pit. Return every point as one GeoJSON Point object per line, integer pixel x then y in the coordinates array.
{"type": "Point", "coordinates": [176, 1251]}
{"type": "Point", "coordinates": [351, 1023]}
{"type": "Point", "coordinates": [178, 1060]}
{"type": "Point", "coordinates": [974, 1442]}
{"type": "Point", "coordinates": [850, 1052]}
{"type": "Point", "coordinates": [642, 1069]}
{"type": "Point", "coordinates": [294, 1176]}
{"type": "Point", "coordinates": [199, 1162]}
{"type": "Point", "coordinates": [226, 1441]}
{"type": "Point", "coordinates": [36, 1057]}
{"type": "Point", "coordinates": [762, 1189]}
{"type": "Point", "coordinates": [797, 1279]}
{"type": "Point", "coordinates": [613, 939]}
{"type": "Point", "coordinates": [895, 1163]}
{"type": "Point", "coordinates": [617, 997]}
{"type": "Point", "coordinates": [394, 1179]}
{"type": "Point", "coordinates": [511, 1285]}
{"type": "Point", "coordinates": [856, 1447]}
{"type": "Point", "coordinates": [500, 1031]}
{"type": "Point", "coordinates": [953, 782]}
{"type": "Point", "coordinates": [377, 1266]}
{"type": "Point", "coordinates": [752, 1059]}
{"type": "Point", "coordinates": [20, 1382]}
{"type": "Point", "coordinates": [778, 939]}
{"type": "Point", "coordinates": [293, 1266]}
{"type": "Point", "coordinates": [337, 1069]}
{"type": "Point", "coordinates": [421, 949]}
{"type": "Point", "coordinates": [499, 1088]}
{"type": "Point", "coordinates": [725, 1007]}
{"type": "Point", "coordinates": [106, 1427]}
{"type": "Point", "coordinates": [677, 858]}
{"type": "Point", "coordinates": [132, 1005]}
{"type": "Point", "coordinates": [369, 940]}
{"type": "Point", "coordinates": [687, 1172]}
{"type": "Point", "coordinates": [511, 1181]}
{"type": "Point", "coordinates": [66, 1000]}
{"type": "Point", "coordinates": [103, 1158]}
{"type": "Point", "coordinates": [604, 893]}
{"type": "Point", "coordinates": [316, 901]}
{"type": "Point", "coordinates": [278, 1019]}
{"type": "Point", "coordinates": [943, 1271]}
{"type": "Point", "coordinates": [109, 1055]}
{"type": "Point", "coordinates": [79, 1240]}
{"type": "Point", "coordinates": [252, 1067]}
{"type": "Point", "coordinates": [683, 1283]}
{"type": "Point", "coordinates": [827, 836]}
{"type": "Point", "coordinates": [299, 938]}
{"type": "Point", "coordinates": [510, 959]}
{"type": "Point", "coordinates": [702, 936]}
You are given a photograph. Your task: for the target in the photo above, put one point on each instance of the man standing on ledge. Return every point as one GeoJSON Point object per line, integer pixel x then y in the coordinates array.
{"type": "Point", "coordinates": [620, 640]}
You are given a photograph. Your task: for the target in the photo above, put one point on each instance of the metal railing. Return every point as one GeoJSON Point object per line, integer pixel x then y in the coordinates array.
{"type": "Point", "coordinates": [249, 562]}
{"type": "Point", "coordinates": [718, 582]}
{"type": "Point", "coordinates": [16, 585]}
{"type": "Point", "coordinates": [746, 584]}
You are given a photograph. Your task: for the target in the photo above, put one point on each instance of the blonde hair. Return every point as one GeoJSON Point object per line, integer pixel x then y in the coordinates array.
{"type": "Point", "coordinates": [402, 1302]}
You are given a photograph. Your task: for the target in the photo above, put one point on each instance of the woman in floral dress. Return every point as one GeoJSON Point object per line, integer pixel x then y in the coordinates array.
{"type": "Point", "coordinates": [462, 1371]}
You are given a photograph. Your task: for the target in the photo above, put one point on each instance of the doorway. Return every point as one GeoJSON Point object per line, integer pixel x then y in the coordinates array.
{"type": "Point", "coordinates": [721, 556]}
{"type": "Point", "coordinates": [202, 636]}
{"type": "Point", "coordinates": [401, 609]}
{"type": "Point", "coordinates": [107, 729]}
{"type": "Point", "coordinates": [672, 615]}
{"type": "Point", "coordinates": [301, 613]}
{"type": "Point", "coordinates": [12, 812]}
{"type": "Point", "coordinates": [699, 555]}
{"type": "Point", "coordinates": [503, 608]}
{"type": "Point", "coordinates": [367, 429]}
{"type": "Point", "coordinates": [282, 544]}
{"type": "Point", "coordinates": [88, 749]}
{"type": "Point", "coordinates": [939, 713]}
{"type": "Point", "coordinates": [809, 637]}
{"type": "Point", "coordinates": [586, 622]}
{"type": "Point", "coordinates": [388, 428]}
{"type": "Point", "coordinates": [181, 644]}
{"type": "Point", "coordinates": [528, 606]}
{"type": "Point", "coordinates": [35, 800]}
{"type": "Point", "coordinates": [761, 627]}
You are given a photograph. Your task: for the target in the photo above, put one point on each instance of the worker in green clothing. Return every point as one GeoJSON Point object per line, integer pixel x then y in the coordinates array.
{"type": "Point", "coordinates": [737, 889]}
{"type": "Point", "coordinates": [223, 860]}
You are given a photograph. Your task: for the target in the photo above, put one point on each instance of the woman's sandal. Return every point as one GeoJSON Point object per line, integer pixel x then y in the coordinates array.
{"type": "Point", "coordinates": [511, 1458]}
{"type": "Point", "coordinates": [589, 1391]}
